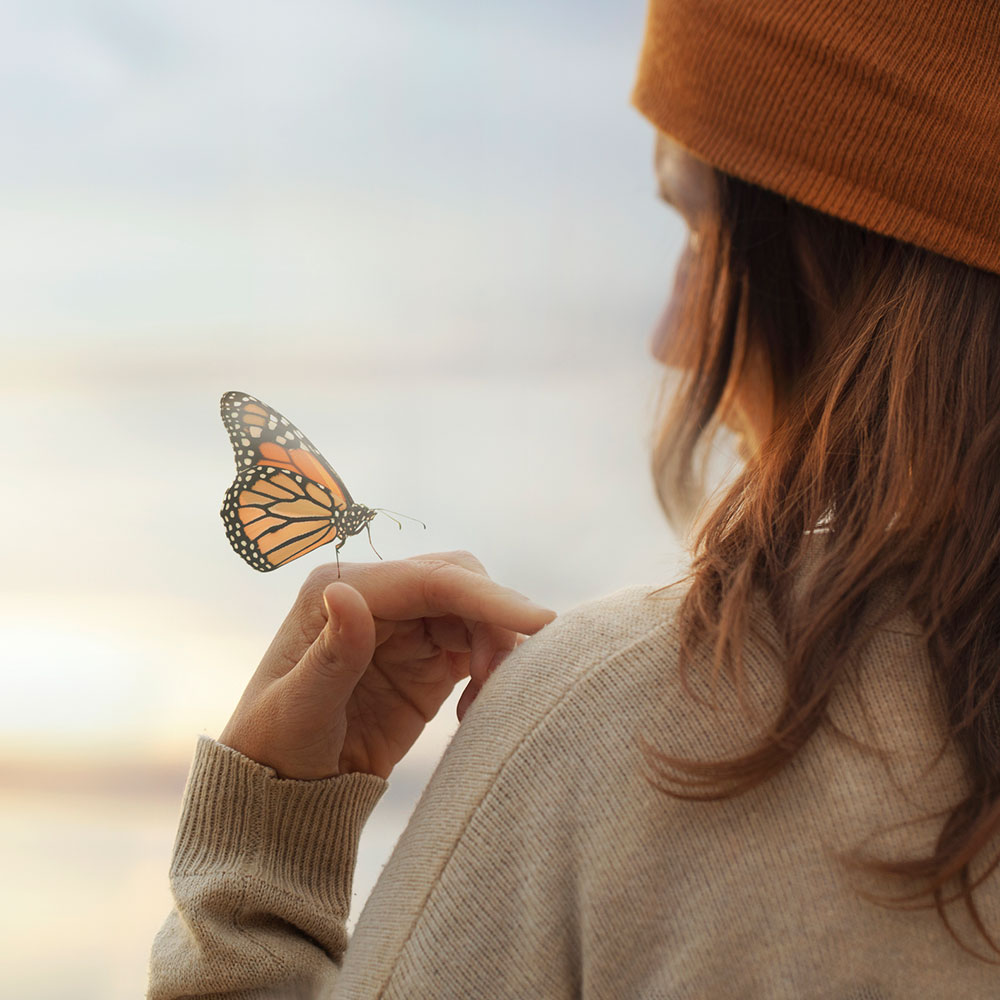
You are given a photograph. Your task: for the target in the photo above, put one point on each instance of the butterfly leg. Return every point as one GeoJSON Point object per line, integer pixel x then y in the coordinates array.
{"type": "Point", "coordinates": [370, 542]}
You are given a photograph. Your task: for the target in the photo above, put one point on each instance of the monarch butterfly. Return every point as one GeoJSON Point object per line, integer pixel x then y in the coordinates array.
{"type": "Point", "coordinates": [286, 500]}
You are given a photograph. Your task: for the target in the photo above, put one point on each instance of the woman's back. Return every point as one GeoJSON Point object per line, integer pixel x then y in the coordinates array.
{"type": "Point", "coordinates": [542, 862]}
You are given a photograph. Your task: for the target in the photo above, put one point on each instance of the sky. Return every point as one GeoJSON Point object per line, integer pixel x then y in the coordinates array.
{"type": "Point", "coordinates": [425, 232]}
{"type": "Point", "coordinates": [264, 170]}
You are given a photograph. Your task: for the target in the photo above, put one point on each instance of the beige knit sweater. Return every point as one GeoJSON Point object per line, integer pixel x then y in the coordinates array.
{"type": "Point", "coordinates": [541, 863]}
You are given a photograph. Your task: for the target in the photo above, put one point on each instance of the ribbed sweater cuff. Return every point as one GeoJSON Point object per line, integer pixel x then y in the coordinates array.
{"type": "Point", "coordinates": [302, 836]}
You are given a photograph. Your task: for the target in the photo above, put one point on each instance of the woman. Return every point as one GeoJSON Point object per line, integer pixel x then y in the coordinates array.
{"type": "Point", "coordinates": [778, 778]}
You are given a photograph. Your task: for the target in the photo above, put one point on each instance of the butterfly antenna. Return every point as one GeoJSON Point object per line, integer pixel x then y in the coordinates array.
{"type": "Point", "coordinates": [390, 513]}
{"type": "Point", "coordinates": [391, 518]}
{"type": "Point", "coordinates": [370, 542]}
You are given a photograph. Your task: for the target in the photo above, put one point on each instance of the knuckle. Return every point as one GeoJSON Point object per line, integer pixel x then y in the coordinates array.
{"type": "Point", "coordinates": [465, 558]}
{"type": "Point", "coordinates": [438, 566]}
{"type": "Point", "coordinates": [462, 558]}
{"type": "Point", "coordinates": [457, 557]}
{"type": "Point", "coordinates": [437, 572]}
{"type": "Point", "coordinates": [444, 581]}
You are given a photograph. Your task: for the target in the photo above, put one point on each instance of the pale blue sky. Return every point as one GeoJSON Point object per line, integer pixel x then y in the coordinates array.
{"type": "Point", "coordinates": [208, 174]}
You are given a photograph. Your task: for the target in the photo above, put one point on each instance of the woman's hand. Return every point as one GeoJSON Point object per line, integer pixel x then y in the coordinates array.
{"type": "Point", "coordinates": [361, 664]}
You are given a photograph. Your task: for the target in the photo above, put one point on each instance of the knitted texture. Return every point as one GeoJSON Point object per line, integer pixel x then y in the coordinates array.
{"type": "Point", "coordinates": [262, 875]}
{"type": "Point", "coordinates": [882, 113]}
{"type": "Point", "coordinates": [540, 861]}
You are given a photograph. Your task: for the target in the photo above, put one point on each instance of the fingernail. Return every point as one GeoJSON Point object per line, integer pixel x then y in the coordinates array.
{"type": "Point", "coordinates": [540, 607]}
{"type": "Point", "coordinates": [332, 618]}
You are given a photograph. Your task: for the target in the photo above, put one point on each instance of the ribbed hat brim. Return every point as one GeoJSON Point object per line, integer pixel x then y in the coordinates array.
{"type": "Point", "coordinates": [886, 114]}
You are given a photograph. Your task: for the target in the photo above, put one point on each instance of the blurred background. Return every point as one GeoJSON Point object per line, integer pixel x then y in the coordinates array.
{"type": "Point", "coordinates": [425, 232]}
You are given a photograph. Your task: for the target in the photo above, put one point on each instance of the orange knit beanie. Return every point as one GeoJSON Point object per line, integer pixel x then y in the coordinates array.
{"type": "Point", "coordinates": [885, 113]}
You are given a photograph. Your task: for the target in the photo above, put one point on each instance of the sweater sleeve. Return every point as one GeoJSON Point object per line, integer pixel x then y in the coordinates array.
{"type": "Point", "coordinates": [261, 877]}
{"type": "Point", "coordinates": [481, 896]}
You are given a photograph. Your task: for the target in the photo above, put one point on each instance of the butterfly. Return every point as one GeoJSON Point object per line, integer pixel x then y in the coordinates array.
{"type": "Point", "coordinates": [286, 500]}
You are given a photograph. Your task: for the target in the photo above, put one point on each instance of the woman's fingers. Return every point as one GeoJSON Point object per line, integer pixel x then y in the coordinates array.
{"type": "Point", "coordinates": [424, 638]}
{"type": "Point", "coordinates": [432, 587]}
{"type": "Point", "coordinates": [419, 624]}
{"type": "Point", "coordinates": [460, 557]}
{"type": "Point", "coordinates": [343, 649]}
{"type": "Point", "coordinates": [396, 640]}
{"type": "Point", "coordinates": [419, 640]}
{"type": "Point", "coordinates": [294, 721]}
{"type": "Point", "coordinates": [490, 646]}
{"type": "Point", "coordinates": [467, 697]}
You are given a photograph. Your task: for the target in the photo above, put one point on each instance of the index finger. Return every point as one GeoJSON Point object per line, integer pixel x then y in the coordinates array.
{"type": "Point", "coordinates": [428, 588]}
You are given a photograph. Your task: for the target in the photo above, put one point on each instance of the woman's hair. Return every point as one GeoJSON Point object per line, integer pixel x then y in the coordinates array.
{"type": "Point", "coordinates": [884, 363]}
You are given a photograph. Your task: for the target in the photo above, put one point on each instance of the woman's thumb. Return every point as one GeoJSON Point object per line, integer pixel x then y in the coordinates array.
{"type": "Point", "coordinates": [344, 647]}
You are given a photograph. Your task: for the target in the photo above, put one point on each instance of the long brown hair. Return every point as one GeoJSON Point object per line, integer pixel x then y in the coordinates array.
{"type": "Point", "coordinates": [884, 362]}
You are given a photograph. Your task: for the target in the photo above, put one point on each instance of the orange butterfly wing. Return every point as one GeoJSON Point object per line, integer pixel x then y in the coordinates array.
{"type": "Point", "coordinates": [262, 436]}
{"type": "Point", "coordinates": [272, 516]}
{"type": "Point", "coordinates": [286, 500]}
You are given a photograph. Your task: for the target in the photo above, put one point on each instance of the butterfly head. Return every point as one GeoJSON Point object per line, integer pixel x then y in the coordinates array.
{"type": "Point", "coordinates": [354, 519]}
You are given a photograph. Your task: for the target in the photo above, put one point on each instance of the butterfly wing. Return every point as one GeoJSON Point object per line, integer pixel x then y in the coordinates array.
{"type": "Point", "coordinates": [286, 500]}
{"type": "Point", "coordinates": [273, 516]}
{"type": "Point", "coordinates": [261, 436]}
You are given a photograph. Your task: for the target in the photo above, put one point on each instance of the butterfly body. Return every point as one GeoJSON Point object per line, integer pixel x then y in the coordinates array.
{"type": "Point", "coordinates": [286, 499]}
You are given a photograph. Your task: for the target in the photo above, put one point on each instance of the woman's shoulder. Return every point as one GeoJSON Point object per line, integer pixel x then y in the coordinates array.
{"type": "Point", "coordinates": [617, 621]}
{"type": "Point", "coordinates": [625, 650]}
{"type": "Point", "coordinates": [625, 640]}
{"type": "Point", "coordinates": [594, 634]}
